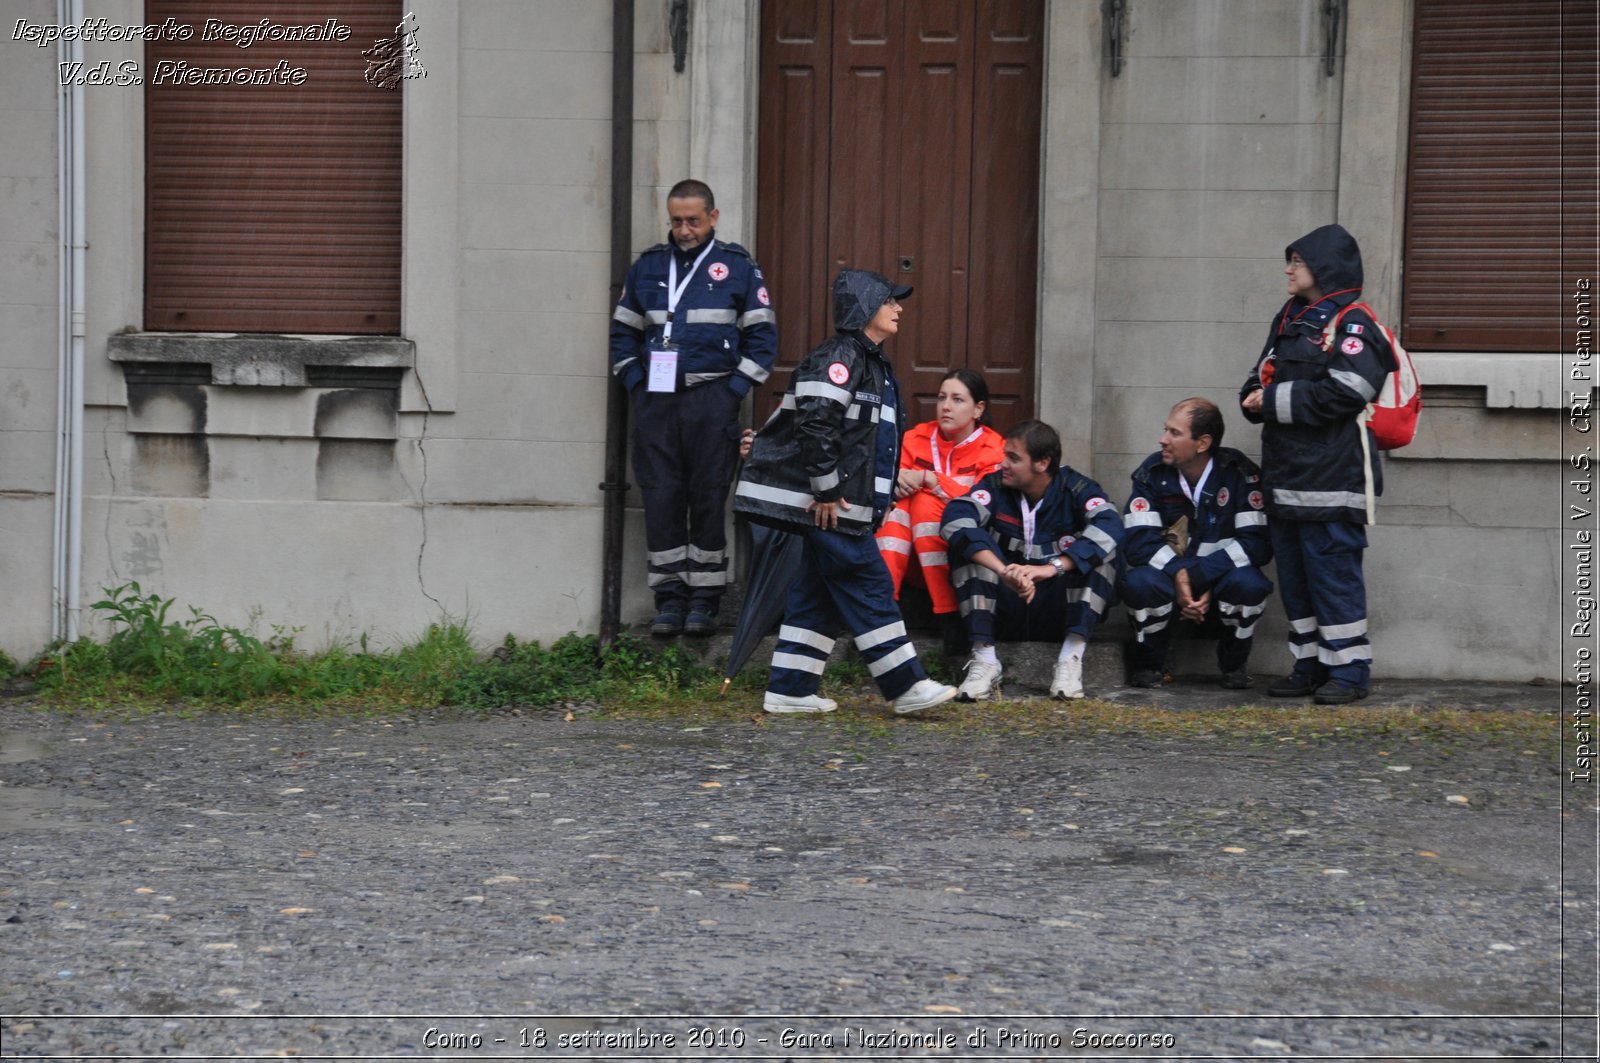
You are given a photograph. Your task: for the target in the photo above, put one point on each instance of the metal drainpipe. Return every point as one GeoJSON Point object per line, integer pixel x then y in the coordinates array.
{"type": "Point", "coordinates": [67, 574]}
{"type": "Point", "coordinates": [615, 488]}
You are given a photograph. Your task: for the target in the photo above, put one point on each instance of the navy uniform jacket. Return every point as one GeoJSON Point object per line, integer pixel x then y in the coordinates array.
{"type": "Point", "coordinates": [1312, 453]}
{"type": "Point", "coordinates": [724, 326]}
{"type": "Point", "coordinates": [1227, 530]}
{"type": "Point", "coordinates": [1075, 519]}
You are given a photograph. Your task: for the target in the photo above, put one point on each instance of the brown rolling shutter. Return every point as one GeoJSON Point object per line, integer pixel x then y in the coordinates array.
{"type": "Point", "coordinates": [272, 207]}
{"type": "Point", "coordinates": [1500, 207]}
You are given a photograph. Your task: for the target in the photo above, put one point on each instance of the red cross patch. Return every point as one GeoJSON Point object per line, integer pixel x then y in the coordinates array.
{"type": "Point", "coordinates": [1139, 505]}
{"type": "Point", "coordinates": [1222, 497]}
{"type": "Point", "coordinates": [838, 372]}
{"type": "Point", "coordinates": [1094, 504]}
{"type": "Point", "coordinates": [1064, 542]}
{"type": "Point", "coordinates": [1352, 346]}
{"type": "Point", "coordinates": [981, 497]}
{"type": "Point", "coordinates": [761, 293]}
{"type": "Point", "coordinates": [718, 271]}
{"type": "Point", "coordinates": [1255, 499]}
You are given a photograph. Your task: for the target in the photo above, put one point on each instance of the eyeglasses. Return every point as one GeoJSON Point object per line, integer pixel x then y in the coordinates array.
{"type": "Point", "coordinates": [1296, 262]}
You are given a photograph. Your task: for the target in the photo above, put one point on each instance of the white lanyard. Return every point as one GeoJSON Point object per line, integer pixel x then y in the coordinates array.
{"type": "Point", "coordinates": [1028, 521]}
{"type": "Point", "coordinates": [1199, 487]}
{"type": "Point", "coordinates": [938, 462]}
{"type": "Point", "coordinates": [675, 290]}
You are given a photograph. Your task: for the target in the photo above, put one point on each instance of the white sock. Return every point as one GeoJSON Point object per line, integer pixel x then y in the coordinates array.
{"type": "Point", "coordinates": [1073, 647]}
{"type": "Point", "coordinates": [984, 651]}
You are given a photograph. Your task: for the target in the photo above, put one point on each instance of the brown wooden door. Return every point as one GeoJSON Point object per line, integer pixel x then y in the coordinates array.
{"type": "Point", "coordinates": [903, 136]}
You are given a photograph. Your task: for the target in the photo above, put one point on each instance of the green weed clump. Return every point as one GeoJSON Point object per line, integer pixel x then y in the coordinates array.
{"type": "Point", "coordinates": [151, 658]}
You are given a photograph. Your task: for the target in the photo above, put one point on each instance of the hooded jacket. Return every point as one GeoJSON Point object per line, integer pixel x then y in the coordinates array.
{"type": "Point", "coordinates": [836, 434]}
{"type": "Point", "coordinates": [1312, 458]}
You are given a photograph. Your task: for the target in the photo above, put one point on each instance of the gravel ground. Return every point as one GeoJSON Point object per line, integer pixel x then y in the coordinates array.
{"type": "Point", "coordinates": [544, 887]}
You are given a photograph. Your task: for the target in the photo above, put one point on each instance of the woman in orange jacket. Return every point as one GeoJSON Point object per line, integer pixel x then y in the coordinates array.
{"type": "Point", "coordinates": [939, 460]}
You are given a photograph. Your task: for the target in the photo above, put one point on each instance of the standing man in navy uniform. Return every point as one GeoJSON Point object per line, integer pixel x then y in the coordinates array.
{"type": "Point", "coordinates": [1195, 541]}
{"type": "Point", "coordinates": [1308, 391]}
{"type": "Point", "coordinates": [693, 332]}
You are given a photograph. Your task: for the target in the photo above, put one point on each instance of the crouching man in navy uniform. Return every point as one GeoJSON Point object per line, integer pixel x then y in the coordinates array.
{"type": "Point", "coordinates": [824, 467]}
{"type": "Point", "coordinates": [1195, 541]}
{"type": "Point", "coordinates": [693, 332]}
{"type": "Point", "coordinates": [1033, 552]}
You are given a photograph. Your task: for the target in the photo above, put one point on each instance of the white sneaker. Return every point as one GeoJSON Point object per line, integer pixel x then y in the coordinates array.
{"type": "Point", "coordinates": [925, 694]}
{"type": "Point", "coordinates": [982, 682]}
{"type": "Point", "coordinates": [1068, 680]}
{"type": "Point", "coordinates": [797, 703]}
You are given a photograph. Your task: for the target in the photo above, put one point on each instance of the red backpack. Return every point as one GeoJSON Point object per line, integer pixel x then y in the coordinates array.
{"type": "Point", "coordinates": [1392, 414]}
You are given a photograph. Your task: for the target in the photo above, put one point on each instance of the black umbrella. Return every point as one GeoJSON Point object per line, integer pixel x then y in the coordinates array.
{"type": "Point", "coordinates": [774, 565]}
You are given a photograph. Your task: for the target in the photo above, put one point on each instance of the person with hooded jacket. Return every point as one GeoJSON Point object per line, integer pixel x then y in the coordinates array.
{"type": "Point", "coordinates": [823, 467]}
{"type": "Point", "coordinates": [1308, 390]}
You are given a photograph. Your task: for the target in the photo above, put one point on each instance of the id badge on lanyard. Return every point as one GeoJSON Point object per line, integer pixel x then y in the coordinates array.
{"type": "Point", "coordinates": [664, 355]}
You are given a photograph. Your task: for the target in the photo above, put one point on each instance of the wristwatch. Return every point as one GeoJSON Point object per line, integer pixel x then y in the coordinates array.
{"type": "Point", "coordinates": [1055, 563]}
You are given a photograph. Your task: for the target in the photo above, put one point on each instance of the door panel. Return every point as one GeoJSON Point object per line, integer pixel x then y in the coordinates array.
{"type": "Point", "coordinates": [903, 136]}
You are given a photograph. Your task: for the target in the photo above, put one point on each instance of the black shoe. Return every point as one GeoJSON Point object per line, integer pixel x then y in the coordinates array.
{"type": "Point", "coordinates": [1293, 685]}
{"type": "Point", "coordinates": [1339, 694]}
{"type": "Point", "coordinates": [1238, 680]}
{"type": "Point", "coordinates": [1149, 678]}
{"type": "Point", "coordinates": [668, 622]}
{"type": "Point", "coordinates": [700, 623]}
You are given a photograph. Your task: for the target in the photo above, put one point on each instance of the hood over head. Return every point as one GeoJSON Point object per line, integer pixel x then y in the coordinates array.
{"type": "Point", "coordinates": [1333, 256]}
{"type": "Point", "coordinates": [857, 295]}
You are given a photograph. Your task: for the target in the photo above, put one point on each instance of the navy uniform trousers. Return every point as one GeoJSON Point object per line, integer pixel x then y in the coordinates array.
{"type": "Point", "coordinates": [1238, 598]}
{"type": "Point", "coordinates": [842, 586]}
{"type": "Point", "coordinates": [1071, 603]}
{"type": "Point", "coordinates": [1324, 597]}
{"type": "Point", "coordinates": [685, 450]}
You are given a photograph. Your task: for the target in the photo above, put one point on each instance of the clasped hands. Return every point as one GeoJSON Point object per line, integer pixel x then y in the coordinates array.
{"type": "Point", "coordinates": [910, 481]}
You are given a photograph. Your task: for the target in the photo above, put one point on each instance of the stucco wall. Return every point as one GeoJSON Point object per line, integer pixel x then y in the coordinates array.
{"type": "Point", "coordinates": [29, 333]}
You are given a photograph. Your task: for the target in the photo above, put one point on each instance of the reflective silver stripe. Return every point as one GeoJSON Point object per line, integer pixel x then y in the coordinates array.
{"type": "Point", "coordinates": [1235, 551]}
{"type": "Point", "coordinates": [857, 514]}
{"type": "Point", "coordinates": [883, 485]}
{"type": "Point", "coordinates": [892, 660]}
{"type": "Point", "coordinates": [886, 633]}
{"type": "Point", "coordinates": [1252, 519]}
{"type": "Point", "coordinates": [705, 579]}
{"type": "Point", "coordinates": [977, 603]}
{"type": "Point", "coordinates": [826, 482]}
{"type": "Point", "coordinates": [667, 557]}
{"type": "Point", "coordinates": [1147, 519]}
{"type": "Point", "coordinates": [973, 572]}
{"type": "Point", "coordinates": [1246, 630]}
{"type": "Point", "coordinates": [657, 317]}
{"type": "Point", "coordinates": [773, 494]}
{"type": "Point", "coordinates": [1305, 626]}
{"type": "Point", "coordinates": [1355, 382]}
{"type": "Point", "coordinates": [1321, 499]}
{"type": "Point", "coordinates": [753, 369]}
{"type": "Point", "coordinates": [1302, 650]}
{"type": "Point", "coordinates": [1152, 629]}
{"type": "Point", "coordinates": [1142, 615]}
{"type": "Point", "coordinates": [1162, 557]}
{"type": "Point", "coordinates": [805, 637]}
{"type": "Point", "coordinates": [661, 579]}
{"type": "Point", "coordinates": [853, 412]}
{"type": "Point", "coordinates": [925, 528]}
{"type": "Point", "coordinates": [1283, 412]}
{"type": "Point", "coordinates": [760, 316]}
{"type": "Point", "coordinates": [1343, 631]}
{"type": "Point", "coordinates": [1232, 613]}
{"type": "Point", "coordinates": [631, 318]}
{"type": "Point", "coordinates": [821, 389]}
{"type": "Point", "coordinates": [691, 379]}
{"type": "Point", "coordinates": [956, 525]}
{"type": "Point", "coordinates": [622, 365]}
{"type": "Point", "coordinates": [1348, 655]}
{"type": "Point", "coordinates": [712, 557]}
{"type": "Point", "coordinates": [796, 662]}
{"type": "Point", "coordinates": [787, 403]}
{"type": "Point", "coordinates": [711, 317]}
{"type": "Point", "coordinates": [1207, 549]}
{"type": "Point", "coordinates": [1088, 595]}
{"type": "Point", "coordinates": [892, 544]}
{"type": "Point", "coordinates": [933, 559]}
{"type": "Point", "coordinates": [899, 518]}
{"type": "Point", "coordinates": [1101, 539]}
{"type": "Point", "coordinates": [887, 414]}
